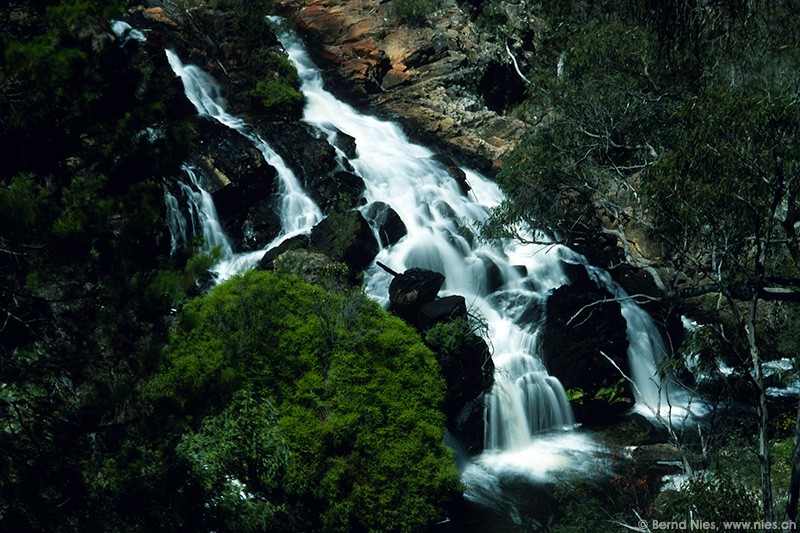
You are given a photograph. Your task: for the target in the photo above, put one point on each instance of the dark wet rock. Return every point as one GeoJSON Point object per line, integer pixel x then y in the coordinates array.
{"type": "Point", "coordinates": [346, 237]}
{"type": "Point", "coordinates": [260, 226]}
{"type": "Point", "coordinates": [347, 143]}
{"type": "Point", "coordinates": [296, 242]}
{"type": "Point", "coordinates": [441, 310]}
{"type": "Point", "coordinates": [310, 266]}
{"type": "Point", "coordinates": [388, 223]}
{"type": "Point", "coordinates": [468, 426]}
{"type": "Point", "coordinates": [578, 328]}
{"type": "Point", "coordinates": [342, 189]}
{"type": "Point", "coordinates": [494, 277]}
{"type": "Point", "coordinates": [412, 289]}
{"type": "Point", "coordinates": [461, 178]}
{"type": "Point", "coordinates": [241, 184]}
{"type": "Point", "coordinates": [468, 373]}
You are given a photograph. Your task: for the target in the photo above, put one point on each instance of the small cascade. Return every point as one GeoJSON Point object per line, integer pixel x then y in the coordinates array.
{"type": "Point", "coordinates": [654, 396]}
{"type": "Point", "coordinates": [203, 220]}
{"type": "Point", "coordinates": [176, 222]}
{"type": "Point", "coordinates": [125, 32]}
{"type": "Point", "coordinates": [204, 215]}
{"type": "Point", "coordinates": [298, 213]}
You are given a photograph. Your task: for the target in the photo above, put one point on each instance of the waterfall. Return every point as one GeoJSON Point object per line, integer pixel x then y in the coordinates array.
{"type": "Point", "coordinates": [176, 222]}
{"type": "Point", "coordinates": [499, 280]}
{"type": "Point", "coordinates": [528, 417]}
{"type": "Point", "coordinates": [298, 213]}
{"type": "Point", "coordinates": [654, 396]}
{"type": "Point", "coordinates": [202, 216]}
{"type": "Point", "coordinates": [125, 32]}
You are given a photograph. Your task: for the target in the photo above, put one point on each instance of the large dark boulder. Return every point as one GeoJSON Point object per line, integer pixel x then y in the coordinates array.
{"type": "Point", "coordinates": [293, 243]}
{"type": "Point", "coordinates": [441, 310]}
{"type": "Point", "coordinates": [346, 237]}
{"type": "Point", "coordinates": [390, 226]}
{"type": "Point", "coordinates": [468, 370]}
{"type": "Point", "coordinates": [468, 425]}
{"type": "Point", "coordinates": [580, 325]}
{"type": "Point", "coordinates": [241, 184]}
{"type": "Point", "coordinates": [347, 143]}
{"type": "Point", "coordinates": [341, 189]}
{"type": "Point", "coordinates": [410, 290]}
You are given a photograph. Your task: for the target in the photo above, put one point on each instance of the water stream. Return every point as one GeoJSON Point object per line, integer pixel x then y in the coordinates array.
{"type": "Point", "coordinates": [298, 213]}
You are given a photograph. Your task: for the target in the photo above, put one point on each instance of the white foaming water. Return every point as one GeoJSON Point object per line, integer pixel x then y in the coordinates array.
{"type": "Point", "coordinates": [176, 222]}
{"type": "Point", "coordinates": [654, 396]}
{"type": "Point", "coordinates": [528, 416]}
{"type": "Point", "coordinates": [125, 32]}
{"type": "Point", "coordinates": [202, 216]}
{"type": "Point", "coordinates": [298, 213]}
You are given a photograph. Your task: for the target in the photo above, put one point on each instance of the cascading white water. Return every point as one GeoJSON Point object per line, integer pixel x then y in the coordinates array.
{"type": "Point", "coordinates": [527, 411]}
{"type": "Point", "coordinates": [654, 396]}
{"type": "Point", "coordinates": [202, 216]}
{"type": "Point", "coordinates": [176, 222]}
{"type": "Point", "coordinates": [298, 213]}
{"type": "Point", "coordinates": [499, 281]}
{"type": "Point", "coordinates": [125, 32]}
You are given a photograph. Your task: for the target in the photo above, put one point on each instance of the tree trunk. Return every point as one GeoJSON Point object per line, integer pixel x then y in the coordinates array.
{"type": "Point", "coordinates": [763, 440]}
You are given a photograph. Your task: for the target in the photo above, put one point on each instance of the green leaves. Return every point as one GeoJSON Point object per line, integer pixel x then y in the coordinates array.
{"type": "Point", "coordinates": [357, 401]}
{"type": "Point", "coordinates": [237, 457]}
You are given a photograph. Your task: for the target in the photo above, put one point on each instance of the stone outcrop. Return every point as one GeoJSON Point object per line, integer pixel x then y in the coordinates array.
{"type": "Point", "coordinates": [447, 81]}
{"type": "Point", "coordinates": [391, 227]}
{"type": "Point", "coordinates": [464, 357]}
{"type": "Point", "coordinates": [412, 289]}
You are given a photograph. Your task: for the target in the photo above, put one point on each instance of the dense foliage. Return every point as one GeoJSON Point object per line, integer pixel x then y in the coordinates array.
{"type": "Point", "coordinates": [86, 136]}
{"type": "Point", "coordinates": [673, 128]}
{"type": "Point", "coordinates": [354, 441]}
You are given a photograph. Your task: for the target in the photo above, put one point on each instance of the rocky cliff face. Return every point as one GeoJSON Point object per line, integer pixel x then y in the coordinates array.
{"type": "Point", "coordinates": [449, 80]}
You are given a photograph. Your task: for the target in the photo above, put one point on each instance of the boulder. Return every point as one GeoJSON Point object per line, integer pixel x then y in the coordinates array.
{"type": "Point", "coordinates": [312, 267]}
{"type": "Point", "coordinates": [390, 226]}
{"type": "Point", "coordinates": [341, 189]}
{"type": "Point", "coordinates": [468, 426]}
{"type": "Point", "coordinates": [468, 371]}
{"type": "Point", "coordinates": [268, 261]}
{"type": "Point", "coordinates": [441, 310]}
{"type": "Point", "coordinates": [347, 143]}
{"type": "Point", "coordinates": [412, 289]}
{"type": "Point", "coordinates": [461, 179]}
{"type": "Point", "coordinates": [260, 226]}
{"type": "Point", "coordinates": [241, 183]}
{"type": "Point", "coordinates": [346, 237]}
{"type": "Point", "coordinates": [578, 328]}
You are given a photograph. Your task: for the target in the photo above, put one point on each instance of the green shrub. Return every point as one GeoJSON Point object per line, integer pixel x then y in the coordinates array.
{"type": "Point", "coordinates": [357, 393]}
{"type": "Point", "coordinates": [276, 96]}
{"type": "Point", "coordinates": [711, 498]}
{"type": "Point", "coordinates": [414, 12]}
